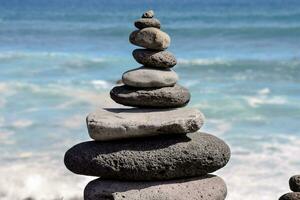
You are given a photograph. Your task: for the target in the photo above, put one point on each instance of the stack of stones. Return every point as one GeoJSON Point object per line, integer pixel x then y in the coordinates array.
{"type": "Point", "coordinates": [294, 183]}
{"type": "Point", "coordinates": [153, 151]}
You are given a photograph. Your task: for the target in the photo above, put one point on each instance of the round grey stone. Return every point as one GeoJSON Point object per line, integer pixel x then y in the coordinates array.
{"type": "Point", "coordinates": [150, 38]}
{"type": "Point", "coordinates": [145, 77]}
{"type": "Point", "coordinates": [290, 196]}
{"type": "Point", "coordinates": [295, 183]}
{"type": "Point", "coordinates": [166, 97]}
{"type": "Point", "coordinates": [148, 14]}
{"type": "Point", "coordinates": [208, 187]}
{"type": "Point", "coordinates": [147, 22]}
{"type": "Point", "coordinates": [112, 124]}
{"type": "Point", "coordinates": [147, 159]}
{"type": "Point", "coordinates": [155, 59]}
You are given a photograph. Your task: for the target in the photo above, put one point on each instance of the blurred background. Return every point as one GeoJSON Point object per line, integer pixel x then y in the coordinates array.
{"type": "Point", "coordinates": [59, 59]}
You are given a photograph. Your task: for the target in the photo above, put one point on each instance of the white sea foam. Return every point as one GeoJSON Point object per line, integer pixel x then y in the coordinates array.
{"type": "Point", "coordinates": [11, 88]}
{"type": "Point", "coordinates": [240, 76]}
{"type": "Point", "coordinates": [218, 126]}
{"type": "Point", "coordinates": [263, 97]}
{"type": "Point", "coordinates": [12, 55]}
{"type": "Point", "coordinates": [5, 91]}
{"type": "Point", "coordinates": [3, 87]}
{"type": "Point", "coordinates": [101, 84]}
{"type": "Point", "coordinates": [2, 121]}
{"type": "Point", "coordinates": [251, 174]}
{"type": "Point", "coordinates": [264, 91]}
{"type": "Point", "coordinates": [6, 137]}
{"type": "Point", "coordinates": [257, 101]}
{"type": "Point", "coordinates": [262, 174]}
{"type": "Point", "coordinates": [190, 83]}
{"type": "Point", "coordinates": [203, 61]}
{"type": "Point", "coordinates": [2, 102]}
{"type": "Point", "coordinates": [8, 55]}
{"type": "Point", "coordinates": [40, 180]}
{"type": "Point", "coordinates": [26, 154]}
{"type": "Point", "coordinates": [22, 123]}
{"type": "Point", "coordinates": [71, 60]}
{"type": "Point", "coordinates": [94, 98]}
{"type": "Point", "coordinates": [74, 122]}
{"type": "Point", "coordinates": [76, 94]}
{"type": "Point", "coordinates": [82, 62]}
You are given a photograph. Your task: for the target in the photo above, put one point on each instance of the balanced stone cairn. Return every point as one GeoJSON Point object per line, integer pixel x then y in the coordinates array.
{"type": "Point", "coordinates": [294, 183]}
{"type": "Point", "coordinates": [175, 162]}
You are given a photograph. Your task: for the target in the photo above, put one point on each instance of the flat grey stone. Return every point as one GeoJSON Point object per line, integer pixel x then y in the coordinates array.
{"type": "Point", "coordinates": [208, 187]}
{"type": "Point", "coordinates": [290, 196]}
{"type": "Point", "coordinates": [147, 22]}
{"type": "Point", "coordinates": [148, 14]}
{"type": "Point", "coordinates": [145, 77]}
{"type": "Point", "coordinates": [150, 38]}
{"type": "Point", "coordinates": [166, 97]}
{"type": "Point", "coordinates": [146, 159]}
{"type": "Point", "coordinates": [155, 59]}
{"type": "Point", "coordinates": [111, 124]}
{"type": "Point", "coordinates": [295, 183]}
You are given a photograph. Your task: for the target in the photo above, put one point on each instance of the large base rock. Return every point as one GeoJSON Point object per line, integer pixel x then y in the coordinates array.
{"type": "Point", "coordinates": [204, 188]}
{"type": "Point", "coordinates": [152, 158]}
{"type": "Point", "coordinates": [111, 124]}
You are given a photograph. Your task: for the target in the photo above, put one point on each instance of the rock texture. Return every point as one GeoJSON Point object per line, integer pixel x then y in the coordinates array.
{"type": "Point", "coordinates": [294, 183]}
{"type": "Point", "coordinates": [148, 159]}
{"type": "Point", "coordinates": [208, 187]}
{"type": "Point", "coordinates": [150, 38]}
{"type": "Point", "coordinates": [155, 59]}
{"type": "Point", "coordinates": [291, 196]}
{"type": "Point", "coordinates": [166, 97]}
{"type": "Point", "coordinates": [147, 22]}
{"type": "Point", "coordinates": [152, 152]}
{"type": "Point", "coordinates": [110, 124]}
{"type": "Point", "coordinates": [148, 14]}
{"type": "Point", "coordinates": [144, 77]}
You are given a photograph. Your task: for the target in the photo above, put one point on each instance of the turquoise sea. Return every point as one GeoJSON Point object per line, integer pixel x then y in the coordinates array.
{"type": "Point", "coordinates": [60, 58]}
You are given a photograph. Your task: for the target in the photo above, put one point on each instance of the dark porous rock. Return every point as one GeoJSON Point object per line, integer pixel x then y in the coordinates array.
{"type": "Point", "coordinates": [150, 38]}
{"type": "Point", "coordinates": [147, 159]}
{"type": "Point", "coordinates": [148, 14]}
{"type": "Point", "coordinates": [166, 97]}
{"type": "Point", "coordinates": [295, 183]}
{"type": "Point", "coordinates": [146, 77]}
{"type": "Point", "coordinates": [147, 22]}
{"type": "Point", "coordinates": [155, 59]}
{"type": "Point", "coordinates": [208, 187]}
{"type": "Point", "coordinates": [290, 196]}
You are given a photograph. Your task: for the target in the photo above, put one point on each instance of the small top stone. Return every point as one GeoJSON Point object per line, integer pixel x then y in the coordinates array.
{"type": "Point", "coordinates": [295, 183]}
{"type": "Point", "coordinates": [148, 14]}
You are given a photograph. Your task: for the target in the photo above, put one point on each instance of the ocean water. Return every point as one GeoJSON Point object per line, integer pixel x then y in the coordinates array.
{"type": "Point", "coordinates": [59, 59]}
